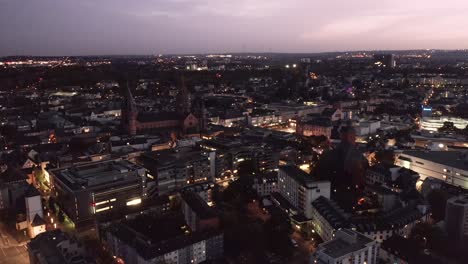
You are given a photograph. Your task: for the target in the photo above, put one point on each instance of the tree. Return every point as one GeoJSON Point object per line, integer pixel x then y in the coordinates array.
{"type": "Point", "coordinates": [39, 175]}
{"type": "Point", "coordinates": [385, 156]}
{"type": "Point", "coordinates": [437, 199]}
{"type": "Point", "coordinates": [246, 168]}
{"type": "Point", "coordinates": [51, 204]}
{"type": "Point", "coordinates": [61, 216]}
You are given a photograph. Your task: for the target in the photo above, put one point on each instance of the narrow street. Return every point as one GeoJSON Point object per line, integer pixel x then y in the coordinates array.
{"type": "Point", "coordinates": [304, 249]}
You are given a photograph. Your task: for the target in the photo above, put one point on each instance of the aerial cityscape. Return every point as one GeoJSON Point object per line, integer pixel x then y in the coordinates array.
{"type": "Point", "coordinates": [181, 131]}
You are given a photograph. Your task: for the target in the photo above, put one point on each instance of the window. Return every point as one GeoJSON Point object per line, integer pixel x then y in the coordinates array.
{"type": "Point", "coordinates": [134, 202]}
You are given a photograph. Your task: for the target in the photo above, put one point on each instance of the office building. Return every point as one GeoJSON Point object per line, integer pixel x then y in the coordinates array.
{"type": "Point", "coordinates": [347, 247]}
{"type": "Point", "coordinates": [456, 217]}
{"type": "Point", "coordinates": [434, 123]}
{"type": "Point", "coordinates": [448, 166]}
{"type": "Point", "coordinates": [85, 191]}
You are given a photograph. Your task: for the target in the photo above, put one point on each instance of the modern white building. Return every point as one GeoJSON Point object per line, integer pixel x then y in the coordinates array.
{"type": "Point", "coordinates": [347, 247]}
{"type": "Point", "coordinates": [434, 123]}
{"type": "Point", "coordinates": [300, 189]}
{"type": "Point", "coordinates": [448, 166]}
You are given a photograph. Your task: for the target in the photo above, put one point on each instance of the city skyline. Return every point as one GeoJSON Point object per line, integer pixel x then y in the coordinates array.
{"type": "Point", "coordinates": [54, 28]}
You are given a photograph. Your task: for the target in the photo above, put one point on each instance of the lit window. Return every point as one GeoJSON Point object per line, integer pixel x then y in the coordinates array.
{"type": "Point", "coordinates": [102, 209]}
{"type": "Point", "coordinates": [134, 202]}
{"type": "Point", "coordinates": [103, 202]}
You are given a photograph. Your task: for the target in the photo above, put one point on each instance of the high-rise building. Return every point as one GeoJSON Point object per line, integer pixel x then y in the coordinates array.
{"type": "Point", "coordinates": [456, 217]}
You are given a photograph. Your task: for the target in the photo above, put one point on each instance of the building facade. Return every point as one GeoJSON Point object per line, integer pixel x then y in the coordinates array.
{"type": "Point", "coordinates": [300, 189]}
{"type": "Point", "coordinates": [84, 191]}
{"type": "Point", "coordinates": [448, 166]}
{"type": "Point", "coordinates": [456, 217]}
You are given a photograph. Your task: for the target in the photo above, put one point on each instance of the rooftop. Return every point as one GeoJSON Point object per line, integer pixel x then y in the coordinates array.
{"type": "Point", "coordinates": [152, 235]}
{"type": "Point", "coordinates": [345, 242]}
{"type": "Point", "coordinates": [96, 174]}
{"type": "Point", "coordinates": [299, 175]}
{"type": "Point", "coordinates": [453, 159]}
{"type": "Point", "coordinates": [168, 157]}
{"type": "Point", "coordinates": [331, 212]}
{"type": "Point", "coordinates": [46, 247]}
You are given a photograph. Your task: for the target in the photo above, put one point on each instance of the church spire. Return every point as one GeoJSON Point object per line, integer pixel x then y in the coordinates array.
{"type": "Point", "coordinates": [129, 112]}
{"type": "Point", "coordinates": [183, 97]}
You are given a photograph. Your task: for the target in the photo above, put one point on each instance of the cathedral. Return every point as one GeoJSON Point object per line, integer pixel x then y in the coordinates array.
{"type": "Point", "coordinates": [181, 121]}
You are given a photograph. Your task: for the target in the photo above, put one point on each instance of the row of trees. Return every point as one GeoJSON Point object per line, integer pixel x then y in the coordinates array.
{"type": "Point", "coordinates": [248, 238]}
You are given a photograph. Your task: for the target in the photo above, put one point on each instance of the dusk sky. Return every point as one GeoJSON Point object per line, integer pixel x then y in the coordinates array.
{"type": "Point", "coordinates": [92, 27]}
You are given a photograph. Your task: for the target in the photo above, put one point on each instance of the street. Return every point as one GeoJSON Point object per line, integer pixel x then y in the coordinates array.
{"type": "Point", "coordinates": [304, 249]}
{"type": "Point", "coordinates": [11, 252]}
{"type": "Point", "coordinates": [14, 255]}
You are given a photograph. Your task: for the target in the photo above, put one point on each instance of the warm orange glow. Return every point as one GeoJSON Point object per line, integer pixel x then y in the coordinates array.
{"type": "Point", "coordinates": [361, 201]}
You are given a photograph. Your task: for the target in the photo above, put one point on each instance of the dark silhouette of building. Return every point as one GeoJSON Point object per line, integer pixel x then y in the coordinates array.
{"type": "Point", "coordinates": [129, 112]}
{"type": "Point", "coordinates": [183, 101]}
{"type": "Point", "coordinates": [344, 165]}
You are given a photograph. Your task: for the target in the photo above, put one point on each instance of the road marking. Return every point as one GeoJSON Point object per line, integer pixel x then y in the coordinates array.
{"type": "Point", "coordinates": [19, 251]}
{"type": "Point", "coordinates": [3, 252]}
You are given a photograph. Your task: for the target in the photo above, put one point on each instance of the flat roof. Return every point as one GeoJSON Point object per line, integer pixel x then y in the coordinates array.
{"type": "Point", "coordinates": [153, 235]}
{"type": "Point", "coordinates": [453, 159]}
{"type": "Point", "coordinates": [96, 174]}
{"type": "Point", "coordinates": [299, 175]}
{"type": "Point", "coordinates": [345, 242]}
